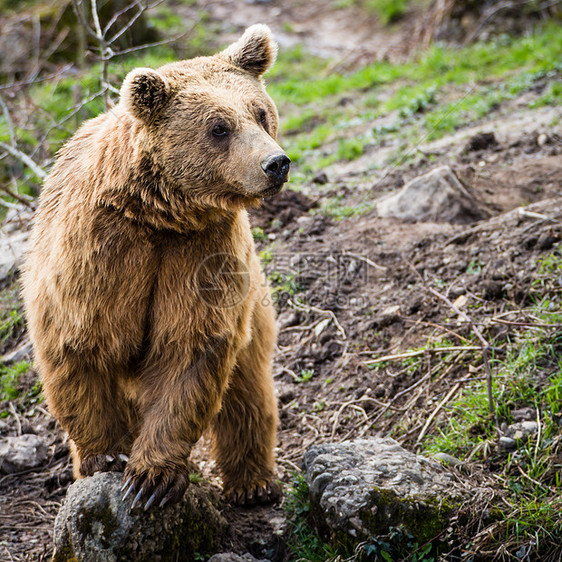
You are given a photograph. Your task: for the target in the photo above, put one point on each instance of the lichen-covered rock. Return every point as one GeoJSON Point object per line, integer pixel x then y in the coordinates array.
{"type": "Point", "coordinates": [437, 196]}
{"type": "Point", "coordinates": [361, 488]}
{"type": "Point", "coordinates": [95, 525]}
{"type": "Point", "coordinates": [22, 452]}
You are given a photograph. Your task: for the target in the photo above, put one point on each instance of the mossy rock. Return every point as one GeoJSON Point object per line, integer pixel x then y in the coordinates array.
{"type": "Point", "coordinates": [364, 488]}
{"type": "Point", "coordinates": [95, 525]}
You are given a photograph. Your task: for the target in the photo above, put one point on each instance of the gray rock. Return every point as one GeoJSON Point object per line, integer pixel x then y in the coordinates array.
{"type": "Point", "coordinates": [22, 452]}
{"type": "Point", "coordinates": [448, 460]}
{"type": "Point", "coordinates": [521, 431]}
{"type": "Point", "coordinates": [95, 525]}
{"type": "Point", "coordinates": [437, 196]}
{"type": "Point", "coordinates": [524, 414]}
{"type": "Point", "coordinates": [507, 443]}
{"type": "Point", "coordinates": [14, 233]}
{"type": "Point", "coordinates": [362, 488]}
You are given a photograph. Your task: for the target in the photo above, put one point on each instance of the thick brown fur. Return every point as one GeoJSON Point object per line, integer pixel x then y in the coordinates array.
{"type": "Point", "coordinates": [141, 340]}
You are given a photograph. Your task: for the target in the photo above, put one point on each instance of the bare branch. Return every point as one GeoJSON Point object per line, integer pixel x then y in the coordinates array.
{"type": "Point", "coordinates": [128, 25]}
{"type": "Point", "coordinates": [14, 195]}
{"type": "Point", "coordinates": [24, 159]}
{"type": "Point", "coordinates": [149, 45]}
{"type": "Point", "coordinates": [36, 80]}
{"type": "Point", "coordinates": [117, 15]}
{"type": "Point", "coordinates": [80, 17]}
{"type": "Point", "coordinates": [96, 19]}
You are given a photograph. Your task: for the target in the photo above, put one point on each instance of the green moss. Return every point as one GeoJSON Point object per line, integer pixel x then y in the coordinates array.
{"type": "Point", "coordinates": [423, 519]}
{"type": "Point", "coordinates": [87, 517]}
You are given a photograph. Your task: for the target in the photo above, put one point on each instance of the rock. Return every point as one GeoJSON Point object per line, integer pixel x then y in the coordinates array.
{"type": "Point", "coordinates": [507, 443]}
{"type": "Point", "coordinates": [359, 489]}
{"type": "Point", "coordinates": [524, 414]}
{"type": "Point", "coordinates": [521, 431]}
{"type": "Point", "coordinates": [437, 196]}
{"type": "Point", "coordinates": [542, 139]}
{"type": "Point", "coordinates": [95, 525]}
{"type": "Point", "coordinates": [14, 233]}
{"type": "Point", "coordinates": [22, 452]}
{"type": "Point", "coordinates": [448, 460]}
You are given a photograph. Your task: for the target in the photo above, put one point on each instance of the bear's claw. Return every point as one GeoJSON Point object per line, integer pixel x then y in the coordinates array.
{"type": "Point", "coordinates": [261, 493]}
{"type": "Point", "coordinates": [163, 487]}
{"type": "Point", "coordinates": [108, 462]}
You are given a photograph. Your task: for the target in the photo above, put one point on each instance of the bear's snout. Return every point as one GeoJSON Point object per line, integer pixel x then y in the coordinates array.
{"type": "Point", "coordinates": [276, 167]}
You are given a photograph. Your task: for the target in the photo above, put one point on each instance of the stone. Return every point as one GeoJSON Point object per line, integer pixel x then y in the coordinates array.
{"type": "Point", "coordinates": [437, 196]}
{"type": "Point", "coordinates": [22, 452]}
{"type": "Point", "coordinates": [542, 139]}
{"type": "Point", "coordinates": [507, 443]}
{"type": "Point", "coordinates": [524, 414]}
{"type": "Point", "coordinates": [448, 460]}
{"type": "Point", "coordinates": [362, 488]}
{"type": "Point", "coordinates": [94, 524]}
{"type": "Point", "coordinates": [14, 233]}
{"type": "Point", "coordinates": [521, 431]}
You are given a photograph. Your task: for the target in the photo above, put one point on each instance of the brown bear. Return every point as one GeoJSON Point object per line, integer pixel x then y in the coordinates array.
{"type": "Point", "coordinates": [149, 314]}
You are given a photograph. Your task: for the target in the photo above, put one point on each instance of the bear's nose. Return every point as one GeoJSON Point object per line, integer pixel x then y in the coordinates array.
{"type": "Point", "coordinates": [276, 166]}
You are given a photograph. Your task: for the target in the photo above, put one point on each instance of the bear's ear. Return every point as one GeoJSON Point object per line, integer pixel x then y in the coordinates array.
{"type": "Point", "coordinates": [254, 52]}
{"type": "Point", "coordinates": [144, 92]}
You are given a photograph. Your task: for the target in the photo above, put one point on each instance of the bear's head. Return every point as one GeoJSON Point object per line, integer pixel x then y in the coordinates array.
{"type": "Point", "coordinates": [209, 125]}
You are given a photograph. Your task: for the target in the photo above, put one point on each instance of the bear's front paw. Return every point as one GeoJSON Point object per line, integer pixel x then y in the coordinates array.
{"type": "Point", "coordinates": [254, 494]}
{"type": "Point", "coordinates": [113, 462]}
{"type": "Point", "coordinates": [157, 485]}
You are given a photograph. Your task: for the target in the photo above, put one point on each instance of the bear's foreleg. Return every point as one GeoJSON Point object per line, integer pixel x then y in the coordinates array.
{"type": "Point", "coordinates": [88, 407]}
{"type": "Point", "coordinates": [178, 408]}
{"type": "Point", "coordinates": [245, 428]}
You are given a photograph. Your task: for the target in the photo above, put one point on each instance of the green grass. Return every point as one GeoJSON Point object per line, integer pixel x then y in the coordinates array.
{"type": "Point", "coordinates": [439, 65]}
{"type": "Point", "coordinates": [307, 546]}
{"type": "Point", "coordinates": [530, 375]}
{"type": "Point", "coordinates": [9, 379]}
{"type": "Point", "coordinates": [444, 89]}
{"type": "Point", "coordinates": [388, 11]}
{"type": "Point", "coordinates": [303, 540]}
{"type": "Point", "coordinates": [11, 316]}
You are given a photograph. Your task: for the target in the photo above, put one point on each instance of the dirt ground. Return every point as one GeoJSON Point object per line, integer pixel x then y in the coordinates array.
{"type": "Point", "coordinates": [349, 291]}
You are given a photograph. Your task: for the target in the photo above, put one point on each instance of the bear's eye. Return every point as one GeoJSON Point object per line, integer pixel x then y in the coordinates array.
{"type": "Point", "coordinates": [263, 118]}
{"type": "Point", "coordinates": [220, 130]}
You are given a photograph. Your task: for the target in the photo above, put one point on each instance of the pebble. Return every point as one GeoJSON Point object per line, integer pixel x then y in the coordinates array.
{"type": "Point", "coordinates": [542, 139]}
{"type": "Point", "coordinates": [507, 443]}
{"type": "Point", "coordinates": [448, 460]}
